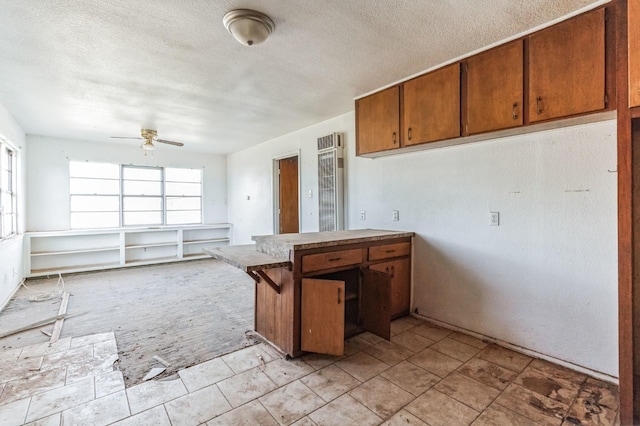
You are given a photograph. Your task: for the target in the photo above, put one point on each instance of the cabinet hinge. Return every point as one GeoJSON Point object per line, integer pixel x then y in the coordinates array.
{"type": "Point", "coordinates": [606, 15]}
{"type": "Point", "coordinates": [606, 99]}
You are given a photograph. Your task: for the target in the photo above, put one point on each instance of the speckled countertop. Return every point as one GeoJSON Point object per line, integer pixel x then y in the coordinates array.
{"type": "Point", "coordinates": [272, 251]}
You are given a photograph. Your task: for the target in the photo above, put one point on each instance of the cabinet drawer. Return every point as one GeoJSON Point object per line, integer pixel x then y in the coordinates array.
{"type": "Point", "coordinates": [332, 259]}
{"type": "Point", "coordinates": [389, 250]}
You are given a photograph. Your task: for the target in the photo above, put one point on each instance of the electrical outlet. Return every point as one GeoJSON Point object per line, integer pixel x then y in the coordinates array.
{"type": "Point", "coordinates": [396, 215]}
{"type": "Point", "coordinates": [363, 215]}
{"type": "Point", "coordinates": [495, 219]}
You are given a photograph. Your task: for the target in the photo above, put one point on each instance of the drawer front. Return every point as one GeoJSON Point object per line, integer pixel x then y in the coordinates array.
{"type": "Point", "coordinates": [388, 251]}
{"type": "Point", "coordinates": [332, 259]}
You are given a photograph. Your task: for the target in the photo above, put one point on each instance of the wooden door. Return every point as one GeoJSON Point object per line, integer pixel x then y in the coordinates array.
{"type": "Point", "coordinates": [495, 89]}
{"type": "Point", "coordinates": [378, 121]}
{"type": "Point", "coordinates": [633, 19]}
{"type": "Point", "coordinates": [432, 106]}
{"type": "Point", "coordinates": [375, 299]}
{"type": "Point", "coordinates": [567, 68]}
{"type": "Point", "coordinates": [400, 273]}
{"type": "Point", "coordinates": [322, 316]}
{"type": "Point", "coordinates": [288, 196]}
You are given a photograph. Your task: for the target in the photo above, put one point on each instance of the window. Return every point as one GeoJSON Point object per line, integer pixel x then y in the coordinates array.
{"type": "Point", "coordinates": [111, 195]}
{"type": "Point", "coordinates": [8, 192]}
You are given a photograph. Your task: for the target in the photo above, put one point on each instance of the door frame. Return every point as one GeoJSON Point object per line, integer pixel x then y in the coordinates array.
{"type": "Point", "coordinates": [275, 195]}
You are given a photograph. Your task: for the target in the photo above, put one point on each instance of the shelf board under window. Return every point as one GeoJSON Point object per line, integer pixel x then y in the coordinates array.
{"type": "Point", "coordinates": [136, 246]}
{"type": "Point", "coordinates": [209, 240]}
{"type": "Point", "coordinates": [75, 251]}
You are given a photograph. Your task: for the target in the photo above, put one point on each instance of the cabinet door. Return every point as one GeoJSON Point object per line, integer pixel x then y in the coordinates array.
{"type": "Point", "coordinates": [375, 298]}
{"type": "Point", "coordinates": [633, 19]}
{"type": "Point", "coordinates": [400, 272]}
{"type": "Point", "coordinates": [432, 106]}
{"type": "Point", "coordinates": [322, 314]}
{"type": "Point", "coordinates": [567, 68]}
{"type": "Point", "coordinates": [378, 121]}
{"type": "Point", "coordinates": [495, 82]}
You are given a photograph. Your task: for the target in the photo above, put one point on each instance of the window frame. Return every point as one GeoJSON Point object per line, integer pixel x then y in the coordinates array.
{"type": "Point", "coordinates": [8, 188]}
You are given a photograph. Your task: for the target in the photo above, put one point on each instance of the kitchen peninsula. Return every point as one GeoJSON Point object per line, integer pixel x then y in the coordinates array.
{"type": "Point", "coordinates": [315, 289]}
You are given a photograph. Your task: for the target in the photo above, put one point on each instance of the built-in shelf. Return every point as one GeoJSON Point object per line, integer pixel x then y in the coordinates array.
{"type": "Point", "coordinates": [49, 253]}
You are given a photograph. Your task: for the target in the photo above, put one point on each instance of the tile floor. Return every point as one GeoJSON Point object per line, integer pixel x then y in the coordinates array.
{"type": "Point", "coordinates": [426, 375]}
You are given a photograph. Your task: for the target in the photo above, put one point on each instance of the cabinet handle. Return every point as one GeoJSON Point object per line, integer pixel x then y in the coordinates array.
{"type": "Point", "coordinates": [386, 270]}
{"type": "Point", "coordinates": [390, 251]}
{"type": "Point", "coordinates": [394, 138]}
{"type": "Point", "coordinates": [515, 110]}
{"type": "Point", "coordinates": [338, 295]}
{"type": "Point", "coordinates": [539, 105]}
{"type": "Point", "coordinates": [334, 259]}
{"type": "Point", "coordinates": [393, 271]}
{"type": "Point", "coordinates": [409, 133]}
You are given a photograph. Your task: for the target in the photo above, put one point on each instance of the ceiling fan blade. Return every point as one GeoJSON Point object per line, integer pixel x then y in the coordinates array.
{"type": "Point", "coordinates": [169, 142]}
{"type": "Point", "coordinates": [124, 137]}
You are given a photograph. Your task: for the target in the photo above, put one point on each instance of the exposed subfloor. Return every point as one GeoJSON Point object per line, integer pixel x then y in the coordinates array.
{"type": "Point", "coordinates": [185, 313]}
{"type": "Point", "coordinates": [426, 375]}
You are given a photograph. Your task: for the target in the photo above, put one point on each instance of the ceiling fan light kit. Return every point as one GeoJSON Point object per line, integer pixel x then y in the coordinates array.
{"type": "Point", "coordinates": [149, 136]}
{"type": "Point", "coordinates": [248, 26]}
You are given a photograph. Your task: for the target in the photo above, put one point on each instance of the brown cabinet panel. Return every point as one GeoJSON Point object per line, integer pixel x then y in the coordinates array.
{"type": "Point", "coordinates": [375, 296]}
{"type": "Point", "coordinates": [633, 19]}
{"type": "Point", "coordinates": [400, 274]}
{"type": "Point", "coordinates": [495, 89]}
{"type": "Point", "coordinates": [388, 251]}
{"type": "Point", "coordinates": [432, 106]}
{"type": "Point", "coordinates": [332, 259]}
{"type": "Point", "coordinates": [322, 316]}
{"type": "Point", "coordinates": [567, 68]}
{"type": "Point", "coordinates": [378, 121]}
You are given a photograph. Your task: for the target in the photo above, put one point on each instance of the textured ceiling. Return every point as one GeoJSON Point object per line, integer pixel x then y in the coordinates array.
{"type": "Point", "coordinates": [91, 69]}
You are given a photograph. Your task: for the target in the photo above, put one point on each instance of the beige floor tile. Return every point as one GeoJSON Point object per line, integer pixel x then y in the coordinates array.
{"type": "Point", "coordinates": [370, 338]}
{"type": "Point", "coordinates": [411, 341]}
{"type": "Point", "coordinates": [431, 331]}
{"type": "Point", "coordinates": [248, 358]}
{"type": "Point", "coordinates": [157, 416]}
{"type": "Point", "coordinates": [205, 374]}
{"type": "Point", "coordinates": [438, 409]}
{"type": "Point", "coordinates": [92, 338]}
{"type": "Point", "coordinates": [399, 326]}
{"type": "Point", "coordinates": [388, 352]}
{"type": "Point", "coordinates": [362, 366]}
{"type": "Point", "coordinates": [355, 344]}
{"type": "Point", "coordinates": [488, 373]}
{"type": "Point", "coordinates": [469, 340]}
{"type": "Point", "coordinates": [197, 407]}
{"type": "Point", "coordinates": [103, 411]}
{"type": "Point", "coordinates": [410, 377]}
{"type": "Point", "coordinates": [90, 368]}
{"type": "Point", "coordinates": [250, 414]}
{"type": "Point", "coordinates": [538, 408]}
{"type": "Point", "coordinates": [543, 384]}
{"type": "Point", "coordinates": [52, 420]}
{"type": "Point", "coordinates": [291, 402]}
{"type": "Point", "coordinates": [319, 361]}
{"type": "Point", "coordinates": [14, 412]}
{"type": "Point", "coordinates": [381, 396]}
{"type": "Point", "coordinates": [597, 404]}
{"type": "Point", "coordinates": [605, 393]}
{"type": "Point", "coordinates": [45, 348]}
{"type": "Point", "coordinates": [305, 421]}
{"type": "Point", "coordinates": [73, 356]}
{"type": "Point", "coordinates": [404, 418]}
{"type": "Point", "coordinates": [60, 399]}
{"type": "Point", "coordinates": [246, 386]}
{"type": "Point", "coordinates": [504, 357]}
{"type": "Point", "coordinates": [468, 391]}
{"type": "Point", "coordinates": [497, 415]}
{"type": "Point", "coordinates": [283, 371]}
{"type": "Point", "coordinates": [330, 382]}
{"type": "Point", "coordinates": [344, 410]}
{"type": "Point", "coordinates": [106, 349]}
{"type": "Point", "coordinates": [558, 371]}
{"type": "Point", "coordinates": [109, 383]}
{"type": "Point", "coordinates": [455, 349]}
{"type": "Point", "coordinates": [411, 320]}
{"type": "Point", "coordinates": [33, 384]}
{"type": "Point", "coordinates": [19, 369]}
{"type": "Point", "coordinates": [155, 392]}
{"type": "Point", "coordinates": [10, 355]}
{"type": "Point", "coordinates": [435, 362]}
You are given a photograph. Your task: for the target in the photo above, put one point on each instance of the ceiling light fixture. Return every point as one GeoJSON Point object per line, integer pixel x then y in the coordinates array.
{"type": "Point", "coordinates": [249, 27]}
{"type": "Point", "coordinates": [148, 145]}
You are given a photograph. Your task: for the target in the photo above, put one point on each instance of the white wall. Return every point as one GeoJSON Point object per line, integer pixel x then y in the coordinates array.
{"type": "Point", "coordinates": [11, 249]}
{"type": "Point", "coordinates": [48, 176]}
{"type": "Point", "coordinates": [545, 279]}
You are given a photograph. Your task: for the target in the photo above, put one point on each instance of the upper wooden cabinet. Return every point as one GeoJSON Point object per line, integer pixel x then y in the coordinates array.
{"type": "Point", "coordinates": [567, 68]}
{"type": "Point", "coordinates": [378, 121]}
{"type": "Point", "coordinates": [432, 106]}
{"type": "Point", "coordinates": [633, 18]}
{"type": "Point", "coordinates": [495, 89]}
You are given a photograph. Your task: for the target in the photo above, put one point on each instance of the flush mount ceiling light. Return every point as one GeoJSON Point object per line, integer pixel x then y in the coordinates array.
{"type": "Point", "coordinates": [249, 27]}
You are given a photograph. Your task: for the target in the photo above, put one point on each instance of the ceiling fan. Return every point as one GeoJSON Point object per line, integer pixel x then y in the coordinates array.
{"type": "Point", "coordinates": [149, 136]}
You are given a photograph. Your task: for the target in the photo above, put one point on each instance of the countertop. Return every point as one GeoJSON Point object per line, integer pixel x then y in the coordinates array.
{"type": "Point", "coordinates": [247, 258]}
